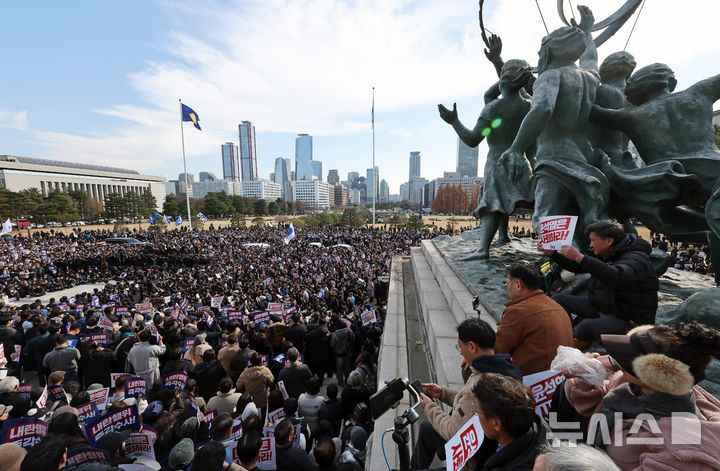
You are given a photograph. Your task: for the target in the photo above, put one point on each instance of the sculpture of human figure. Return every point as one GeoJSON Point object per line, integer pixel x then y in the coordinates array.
{"type": "Point", "coordinates": [678, 191]}
{"type": "Point", "coordinates": [499, 122]}
{"type": "Point", "coordinates": [563, 94]}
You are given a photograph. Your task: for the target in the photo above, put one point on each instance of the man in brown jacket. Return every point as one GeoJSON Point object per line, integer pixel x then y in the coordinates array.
{"type": "Point", "coordinates": [533, 325]}
{"type": "Point", "coordinates": [256, 381]}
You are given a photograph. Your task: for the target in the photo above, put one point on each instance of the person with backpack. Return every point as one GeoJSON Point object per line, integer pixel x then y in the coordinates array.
{"type": "Point", "coordinates": [341, 341]}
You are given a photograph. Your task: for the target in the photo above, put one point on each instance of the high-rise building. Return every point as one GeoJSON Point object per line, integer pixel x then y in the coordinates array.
{"type": "Point", "coordinates": [414, 164]}
{"type": "Point", "coordinates": [282, 170]}
{"type": "Point", "coordinates": [352, 176]}
{"type": "Point", "coordinates": [312, 193]}
{"type": "Point", "coordinates": [303, 157]}
{"type": "Point", "coordinates": [248, 151]}
{"type": "Point", "coordinates": [230, 162]}
{"type": "Point", "coordinates": [262, 189]}
{"type": "Point", "coordinates": [372, 185]}
{"type": "Point", "coordinates": [467, 160]}
{"type": "Point", "coordinates": [182, 188]}
{"type": "Point", "coordinates": [207, 177]}
{"type": "Point", "coordinates": [317, 169]}
{"type": "Point", "coordinates": [384, 195]}
{"type": "Point", "coordinates": [292, 176]}
{"type": "Point", "coordinates": [333, 177]}
{"type": "Point", "coordinates": [272, 177]}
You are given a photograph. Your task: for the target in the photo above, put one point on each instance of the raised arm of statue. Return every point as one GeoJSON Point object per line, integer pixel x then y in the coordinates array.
{"type": "Point", "coordinates": [710, 88]}
{"type": "Point", "coordinates": [589, 59]}
{"type": "Point", "coordinates": [493, 52]}
{"type": "Point", "coordinates": [607, 118]}
{"type": "Point", "coordinates": [470, 137]}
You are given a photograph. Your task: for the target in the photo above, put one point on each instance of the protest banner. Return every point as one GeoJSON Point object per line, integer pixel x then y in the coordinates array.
{"type": "Point", "coordinates": [57, 393]}
{"type": "Point", "coordinates": [188, 343]}
{"type": "Point", "coordinates": [224, 311]}
{"type": "Point", "coordinates": [368, 317]}
{"type": "Point", "coordinates": [237, 428]}
{"type": "Point", "coordinates": [100, 397]}
{"type": "Point", "coordinates": [150, 432]}
{"type": "Point", "coordinates": [105, 323]}
{"type": "Point", "coordinates": [557, 231]}
{"type": "Point", "coordinates": [281, 386]}
{"type": "Point", "coordinates": [26, 432]}
{"type": "Point", "coordinates": [100, 339]}
{"type": "Point", "coordinates": [275, 308]}
{"type": "Point", "coordinates": [210, 416]}
{"type": "Point", "coordinates": [121, 311]}
{"type": "Point", "coordinates": [120, 419]}
{"type": "Point", "coordinates": [543, 385]}
{"type": "Point", "coordinates": [216, 301]}
{"type": "Point", "coordinates": [82, 456]}
{"type": "Point", "coordinates": [114, 377]}
{"type": "Point", "coordinates": [25, 390]}
{"type": "Point", "coordinates": [139, 444]}
{"type": "Point", "coordinates": [276, 416]}
{"type": "Point", "coordinates": [175, 380]}
{"type": "Point", "coordinates": [261, 317]}
{"type": "Point", "coordinates": [135, 387]}
{"type": "Point", "coordinates": [87, 412]}
{"type": "Point", "coordinates": [235, 316]}
{"type": "Point", "coordinates": [73, 342]}
{"type": "Point", "coordinates": [464, 444]}
{"type": "Point", "coordinates": [144, 308]}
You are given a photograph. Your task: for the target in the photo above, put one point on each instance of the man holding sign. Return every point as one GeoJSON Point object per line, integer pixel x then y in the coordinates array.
{"type": "Point", "coordinates": [623, 287]}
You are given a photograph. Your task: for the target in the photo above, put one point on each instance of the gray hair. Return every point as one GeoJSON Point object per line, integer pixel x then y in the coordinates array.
{"type": "Point", "coordinates": [293, 353]}
{"type": "Point", "coordinates": [565, 457]}
{"type": "Point", "coordinates": [8, 384]}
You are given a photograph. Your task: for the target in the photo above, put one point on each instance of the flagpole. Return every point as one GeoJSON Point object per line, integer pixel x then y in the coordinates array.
{"type": "Point", "coordinates": [375, 176]}
{"type": "Point", "coordinates": [187, 187]}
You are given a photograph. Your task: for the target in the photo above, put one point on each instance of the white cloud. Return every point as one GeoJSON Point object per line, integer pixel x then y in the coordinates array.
{"type": "Point", "coordinates": [13, 119]}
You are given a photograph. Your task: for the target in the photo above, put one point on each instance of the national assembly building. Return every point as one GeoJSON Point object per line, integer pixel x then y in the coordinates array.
{"type": "Point", "coordinates": [22, 173]}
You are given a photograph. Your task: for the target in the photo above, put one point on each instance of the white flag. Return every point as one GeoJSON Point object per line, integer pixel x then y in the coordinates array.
{"type": "Point", "coordinates": [290, 234]}
{"type": "Point", "coordinates": [6, 227]}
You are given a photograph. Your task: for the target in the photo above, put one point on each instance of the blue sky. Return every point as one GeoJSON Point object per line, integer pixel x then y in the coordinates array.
{"type": "Point", "coordinates": [98, 82]}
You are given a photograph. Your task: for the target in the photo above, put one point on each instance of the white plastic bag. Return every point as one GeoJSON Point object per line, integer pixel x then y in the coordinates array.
{"type": "Point", "coordinates": [573, 362]}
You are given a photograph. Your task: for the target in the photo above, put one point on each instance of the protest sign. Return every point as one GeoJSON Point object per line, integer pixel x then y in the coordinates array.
{"type": "Point", "coordinates": [16, 356]}
{"type": "Point", "coordinates": [281, 386]}
{"type": "Point", "coordinates": [120, 419]}
{"type": "Point", "coordinates": [87, 412]}
{"type": "Point", "coordinates": [194, 407]}
{"type": "Point", "coordinates": [2, 353]}
{"type": "Point", "coordinates": [368, 317]}
{"type": "Point", "coordinates": [121, 311]}
{"type": "Point", "coordinates": [139, 444]}
{"type": "Point", "coordinates": [464, 444]}
{"type": "Point", "coordinates": [150, 432]}
{"type": "Point", "coordinates": [114, 377]}
{"type": "Point", "coordinates": [25, 390]}
{"type": "Point", "coordinates": [557, 231]}
{"type": "Point", "coordinates": [135, 387]}
{"type": "Point", "coordinates": [82, 456]}
{"type": "Point", "coordinates": [263, 360]}
{"type": "Point", "coordinates": [543, 385]}
{"type": "Point", "coordinates": [275, 308]}
{"type": "Point", "coordinates": [73, 342]}
{"type": "Point", "coordinates": [154, 332]}
{"type": "Point", "coordinates": [57, 393]}
{"type": "Point", "coordinates": [175, 380]}
{"type": "Point", "coordinates": [237, 429]}
{"type": "Point", "coordinates": [26, 432]}
{"type": "Point", "coordinates": [144, 308]}
{"type": "Point", "coordinates": [216, 301]}
{"type": "Point", "coordinates": [105, 323]}
{"type": "Point", "coordinates": [100, 397]}
{"type": "Point", "coordinates": [276, 416]}
{"type": "Point", "coordinates": [100, 339]}
{"type": "Point", "coordinates": [261, 317]}
{"type": "Point", "coordinates": [210, 416]}
{"type": "Point", "coordinates": [266, 458]}
{"type": "Point", "coordinates": [235, 316]}
{"type": "Point", "coordinates": [188, 343]}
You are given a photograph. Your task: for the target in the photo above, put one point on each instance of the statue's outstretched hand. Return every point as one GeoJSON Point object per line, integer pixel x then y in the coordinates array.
{"type": "Point", "coordinates": [587, 20]}
{"type": "Point", "coordinates": [515, 164]}
{"type": "Point", "coordinates": [448, 116]}
{"type": "Point", "coordinates": [494, 48]}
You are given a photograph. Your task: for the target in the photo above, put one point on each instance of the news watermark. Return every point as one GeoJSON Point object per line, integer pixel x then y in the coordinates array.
{"type": "Point", "coordinates": [644, 429]}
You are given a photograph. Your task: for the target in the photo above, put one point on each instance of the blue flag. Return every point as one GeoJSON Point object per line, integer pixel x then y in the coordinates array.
{"type": "Point", "coordinates": [188, 114]}
{"type": "Point", "coordinates": [178, 221]}
{"type": "Point", "coordinates": [151, 220]}
{"type": "Point", "coordinates": [157, 215]}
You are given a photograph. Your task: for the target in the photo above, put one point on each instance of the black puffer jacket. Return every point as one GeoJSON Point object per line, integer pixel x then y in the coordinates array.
{"type": "Point", "coordinates": [623, 284]}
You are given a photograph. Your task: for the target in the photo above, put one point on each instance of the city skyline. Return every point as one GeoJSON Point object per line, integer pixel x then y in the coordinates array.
{"type": "Point", "coordinates": [114, 98]}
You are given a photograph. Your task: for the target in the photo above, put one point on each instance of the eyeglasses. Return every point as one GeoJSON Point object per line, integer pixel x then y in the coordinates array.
{"type": "Point", "coordinates": [457, 347]}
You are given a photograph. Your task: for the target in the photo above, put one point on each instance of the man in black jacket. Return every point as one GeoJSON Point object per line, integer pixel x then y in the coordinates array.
{"type": "Point", "coordinates": [623, 286]}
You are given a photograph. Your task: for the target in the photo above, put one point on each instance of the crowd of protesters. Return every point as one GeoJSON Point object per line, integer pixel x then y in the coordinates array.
{"type": "Point", "coordinates": [687, 257]}
{"type": "Point", "coordinates": [229, 334]}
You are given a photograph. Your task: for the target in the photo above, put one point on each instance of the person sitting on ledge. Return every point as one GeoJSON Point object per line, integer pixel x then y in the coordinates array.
{"type": "Point", "coordinates": [623, 287]}
{"type": "Point", "coordinates": [533, 325]}
{"type": "Point", "coordinates": [475, 343]}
